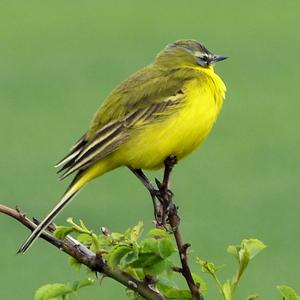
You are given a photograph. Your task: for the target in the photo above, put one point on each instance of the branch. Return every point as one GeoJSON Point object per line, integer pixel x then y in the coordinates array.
{"type": "Point", "coordinates": [86, 257]}
{"type": "Point", "coordinates": [174, 221]}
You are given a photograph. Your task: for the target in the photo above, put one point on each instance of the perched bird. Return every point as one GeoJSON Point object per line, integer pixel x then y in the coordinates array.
{"type": "Point", "coordinates": [167, 108]}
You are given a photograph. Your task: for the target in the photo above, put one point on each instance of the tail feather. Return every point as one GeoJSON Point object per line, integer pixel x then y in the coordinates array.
{"type": "Point", "coordinates": [66, 199]}
{"type": "Point", "coordinates": [79, 181]}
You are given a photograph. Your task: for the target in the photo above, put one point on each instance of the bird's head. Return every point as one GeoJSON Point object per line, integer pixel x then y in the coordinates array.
{"type": "Point", "coordinates": [187, 53]}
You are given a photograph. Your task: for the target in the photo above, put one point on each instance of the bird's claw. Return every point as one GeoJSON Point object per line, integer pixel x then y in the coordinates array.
{"type": "Point", "coordinates": [161, 189]}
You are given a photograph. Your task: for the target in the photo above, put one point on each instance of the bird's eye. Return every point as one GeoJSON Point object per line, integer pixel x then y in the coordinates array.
{"type": "Point", "coordinates": [204, 58]}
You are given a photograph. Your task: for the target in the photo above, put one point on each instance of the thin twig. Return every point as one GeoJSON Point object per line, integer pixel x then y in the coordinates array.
{"type": "Point", "coordinates": [174, 221]}
{"type": "Point", "coordinates": [87, 257]}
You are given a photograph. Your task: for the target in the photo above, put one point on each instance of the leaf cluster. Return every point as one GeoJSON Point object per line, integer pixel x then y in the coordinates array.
{"type": "Point", "coordinates": [148, 258]}
{"type": "Point", "coordinates": [243, 253]}
{"type": "Point", "coordinates": [145, 259]}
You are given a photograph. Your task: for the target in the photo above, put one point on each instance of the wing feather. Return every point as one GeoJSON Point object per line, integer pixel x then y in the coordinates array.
{"type": "Point", "coordinates": [73, 151]}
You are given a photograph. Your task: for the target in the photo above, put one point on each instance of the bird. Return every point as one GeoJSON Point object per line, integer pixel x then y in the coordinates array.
{"type": "Point", "coordinates": [165, 109]}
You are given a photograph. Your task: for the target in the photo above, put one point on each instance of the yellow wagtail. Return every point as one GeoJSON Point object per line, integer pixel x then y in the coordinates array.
{"type": "Point", "coordinates": [167, 108]}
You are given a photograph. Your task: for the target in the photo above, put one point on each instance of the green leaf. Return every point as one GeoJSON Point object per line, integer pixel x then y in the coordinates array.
{"type": "Point", "coordinates": [248, 249]}
{"type": "Point", "coordinates": [136, 273]}
{"type": "Point", "coordinates": [82, 283]}
{"type": "Point", "coordinates": [132, 272]}
{"type": "Point", "coordinates": [116, 237]}
{"type": "Point", "coordinates": [84, 239]}
{"type": "Point", "coordinates": [253, 246]}
{"type": "Point", "coordinates": [165, 282]}
{"type": "Point", "coordinates": [74, 263]}
{"type": "Point", "coordinates": [50, 291]}
{"type": "Point", "coordinates": [78, 228]}
{"type": "Point", "coordinates": [234, 250]}
{"type": "Point", "coordinates": [227, 291]}
{"type": "Point", "coordinates": [146, 260]}
{"type": "Point", "coordinates": [209, 267]}
{"type": "Point", "coordinates": [198, 279]}
{"type": "Point", "coordinates": [170, 290]}
{"type": "Point", "coordinates": [132, 256]}
{"type": "Point", "coordinates": [244, 258]}
{"type": "Point", "coordinates": [136, 231]}
{"type": "Point", "coordinates": [62, 231]}
{"type": "Point", "coordinates": [90, 240]}
{"type": "Point", "coordinates": [169, 268]}
{"type": "Point", "coordinates": [116, 254]}
{"type": "Point", "coordinates": [287, 292]}
{"type": "Point", "coordinates": [103, 241]}
{"type": "Point", "coordinates": [83, 226]}
{"type": "Point", "coordinates": [178, 294]}
{"type": "Point", "coordinates": [166, 247]}
{"type": "Point", "coordinates": [155, 269]}
{"type": "Point", "coordinates": [156, 232]}
{"type": "Point", "coordinates": [150, 245]}
{"type": "Point", "coordinates": [95, 246]}
{"type": "Point", "coordinates": [252, 297]}
{"type": "Point", "coordinates": [132, 295]}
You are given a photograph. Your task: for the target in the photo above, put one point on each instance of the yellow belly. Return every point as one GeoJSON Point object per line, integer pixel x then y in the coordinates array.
{"type": "Point", "coordinates": [177, 135]}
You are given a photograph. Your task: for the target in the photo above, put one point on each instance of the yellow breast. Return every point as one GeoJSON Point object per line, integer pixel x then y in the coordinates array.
{"type": "Point", "coordinates": [181, 133]}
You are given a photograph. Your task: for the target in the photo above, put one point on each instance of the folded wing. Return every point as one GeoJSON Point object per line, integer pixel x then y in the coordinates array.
{"type": "Point", "coordinates": [111, 136]}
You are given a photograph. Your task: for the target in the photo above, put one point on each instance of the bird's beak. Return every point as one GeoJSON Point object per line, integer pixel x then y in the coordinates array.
{"type": "Point", "coordinates": [217, 58]}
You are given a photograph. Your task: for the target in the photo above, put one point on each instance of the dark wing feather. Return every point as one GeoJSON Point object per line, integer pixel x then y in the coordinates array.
{"type": "Point", "coordinates": [73, 152]}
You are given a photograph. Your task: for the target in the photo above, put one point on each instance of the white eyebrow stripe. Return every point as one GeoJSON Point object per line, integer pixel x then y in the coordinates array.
{"type": "Point", "coordinates": [198, 53]}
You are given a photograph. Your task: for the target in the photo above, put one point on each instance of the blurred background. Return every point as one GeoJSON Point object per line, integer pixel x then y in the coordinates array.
{"type": "Point", "coordinates": [58, 61]}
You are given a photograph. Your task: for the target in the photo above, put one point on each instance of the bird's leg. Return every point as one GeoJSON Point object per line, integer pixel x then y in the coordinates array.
{"type": "Point", "coordinates": [153, 192]}
{"type": "Point", "coordinates": [164, 189]}
{"type": "Point", "coordinates": [162, 206]}
{"type": "Point", "coordinates": [169, 162]}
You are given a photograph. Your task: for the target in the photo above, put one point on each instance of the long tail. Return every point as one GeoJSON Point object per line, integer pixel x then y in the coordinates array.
{"type": "Point", "coordinates": [77, 184]}
{"type": "Point", "coordinates": [74, 188]}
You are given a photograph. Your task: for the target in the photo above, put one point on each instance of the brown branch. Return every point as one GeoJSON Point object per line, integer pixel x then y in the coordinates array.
{"type": "Point", "coordinates": [174, 221]}
{"type": "Point", "coordinates": [86, 257]}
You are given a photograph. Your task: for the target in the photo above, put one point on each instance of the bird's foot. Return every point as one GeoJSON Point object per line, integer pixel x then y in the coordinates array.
{"type": "Point", "coordinates": [163, 193]}
{"type": "Point", "coordinates": [162, 210]}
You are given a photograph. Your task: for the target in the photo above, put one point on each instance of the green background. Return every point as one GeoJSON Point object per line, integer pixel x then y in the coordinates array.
{"type": "Point", "coordinates": [58, 61]}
